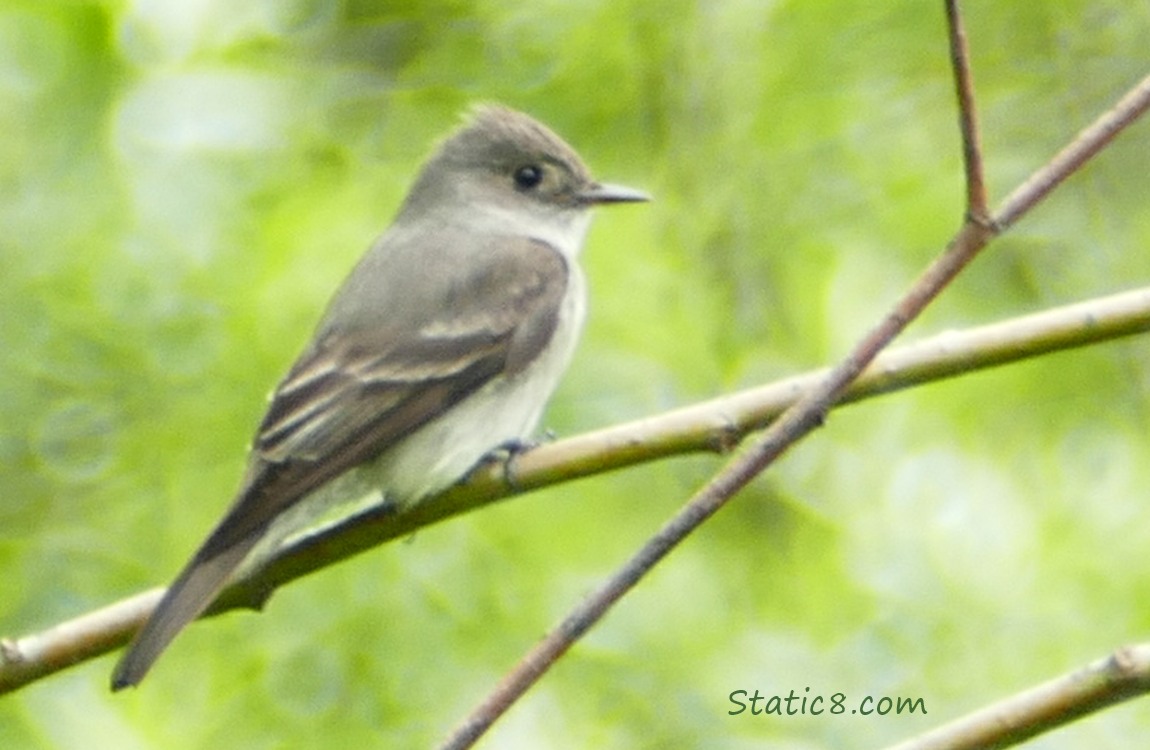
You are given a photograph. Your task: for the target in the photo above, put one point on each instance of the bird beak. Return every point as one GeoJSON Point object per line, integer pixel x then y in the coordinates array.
{"type": "Point", "coordinates": [606, 193]}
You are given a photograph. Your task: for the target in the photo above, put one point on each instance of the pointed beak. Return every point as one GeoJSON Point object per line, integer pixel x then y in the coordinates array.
{"type": "Point", "coordinates": [606, 193]}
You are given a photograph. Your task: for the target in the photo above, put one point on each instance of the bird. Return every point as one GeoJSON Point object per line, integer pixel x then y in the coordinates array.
{"type": "Point", "coordinates": [444, 343]}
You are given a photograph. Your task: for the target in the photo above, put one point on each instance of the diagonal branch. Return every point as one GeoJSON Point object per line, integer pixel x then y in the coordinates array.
{"type": "Point", "coordinates": [809, 412]}
{"type": "Point", "coordinates": [1066, 162]}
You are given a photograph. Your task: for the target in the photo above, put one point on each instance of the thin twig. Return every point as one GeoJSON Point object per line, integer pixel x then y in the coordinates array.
{"type": "Point", "coordinates": [1119, 677]}
{"type": "Point", "coordinates": [976, 205]}
{"type": "Point", "coordinates": [1090, 141]}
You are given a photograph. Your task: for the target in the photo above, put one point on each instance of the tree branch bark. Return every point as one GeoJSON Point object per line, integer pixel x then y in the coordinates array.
{"type": "Point", "coordinates": [1123, 675]}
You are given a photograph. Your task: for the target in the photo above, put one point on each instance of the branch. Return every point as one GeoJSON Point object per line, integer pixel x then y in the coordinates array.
{"type": "Point", "coordinates": [976, 205]}
{"type": "Point", "coordinates": [1123, 675]}
{"type": "Point", "coordinates": [712, 425]}
{"type": "Point", "coordinates": [809, 411]}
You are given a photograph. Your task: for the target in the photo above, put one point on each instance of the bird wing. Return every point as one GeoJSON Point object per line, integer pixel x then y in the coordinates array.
{"type": "Point", "coordinates": [358, 390]}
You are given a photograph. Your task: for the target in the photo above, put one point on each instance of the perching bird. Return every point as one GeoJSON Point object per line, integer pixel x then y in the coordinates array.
{"type": "Point", "coordinates": [445, 342]}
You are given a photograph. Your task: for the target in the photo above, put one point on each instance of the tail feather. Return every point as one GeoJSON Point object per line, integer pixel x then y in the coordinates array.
{"type": "Point", "coordinates": [186, 599]}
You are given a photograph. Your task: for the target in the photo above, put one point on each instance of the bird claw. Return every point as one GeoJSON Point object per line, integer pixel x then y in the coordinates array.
{"type": "Point", "coordinates": [505, 454]}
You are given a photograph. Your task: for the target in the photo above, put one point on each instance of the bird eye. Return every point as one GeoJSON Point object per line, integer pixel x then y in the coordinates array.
{"type": "Point", "coordinates": [528, 176]}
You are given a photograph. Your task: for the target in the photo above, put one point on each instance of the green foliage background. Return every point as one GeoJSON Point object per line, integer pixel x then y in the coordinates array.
{"type": "Point", "coordinates": [183, 184]}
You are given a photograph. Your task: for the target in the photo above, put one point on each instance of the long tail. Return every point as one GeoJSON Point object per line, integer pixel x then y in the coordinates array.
{"type": "Point", "coordinates": [186, 599]}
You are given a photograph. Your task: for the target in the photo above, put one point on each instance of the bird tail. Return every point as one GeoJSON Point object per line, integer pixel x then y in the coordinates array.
{"type": "Point", "coordinates": [185, 600]}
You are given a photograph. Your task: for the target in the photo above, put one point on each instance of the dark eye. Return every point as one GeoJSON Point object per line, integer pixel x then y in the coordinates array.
{"type": "Point", "coordinates": [528, 176]}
